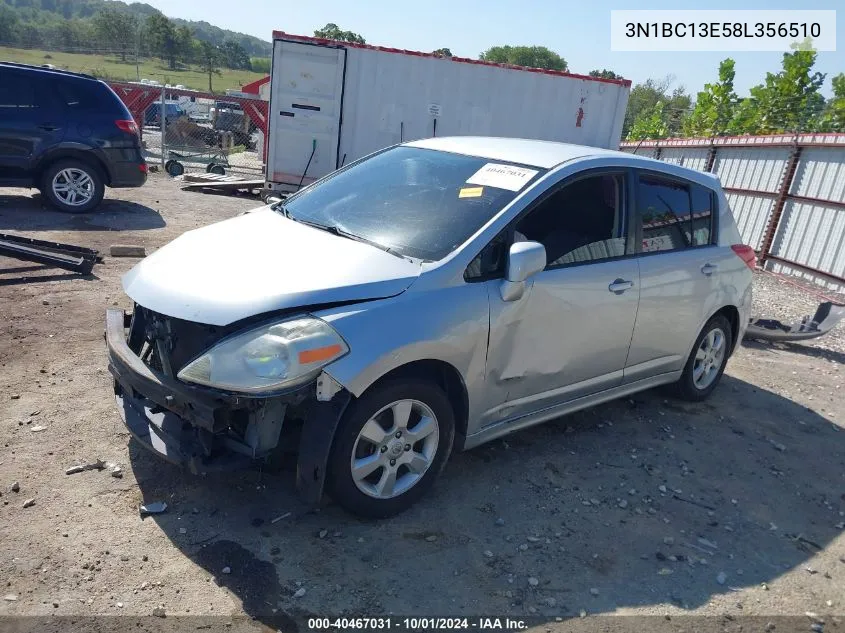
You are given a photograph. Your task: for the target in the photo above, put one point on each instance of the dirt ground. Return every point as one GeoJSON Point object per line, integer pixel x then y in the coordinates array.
{"type": "Point", "coordinates": [645, 506]}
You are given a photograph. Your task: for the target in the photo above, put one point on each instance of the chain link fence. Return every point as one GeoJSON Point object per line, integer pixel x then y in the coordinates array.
{"type": "Point", "coordinates": [187, 131]}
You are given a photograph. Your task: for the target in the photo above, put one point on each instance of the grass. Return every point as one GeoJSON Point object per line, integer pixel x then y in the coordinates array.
{"type": "Point", "coordinates": [110, 67]}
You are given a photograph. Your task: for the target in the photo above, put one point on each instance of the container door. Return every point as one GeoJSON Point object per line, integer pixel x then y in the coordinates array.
{"type": "Point", "coordinates": [306, 96]}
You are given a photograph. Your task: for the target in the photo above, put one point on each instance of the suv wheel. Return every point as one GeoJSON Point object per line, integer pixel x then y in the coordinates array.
{"type": "Point", "coordinates": [707, 360]}
{"type": "Point", "coordinates": [390, 447]}
{"type": "Point", "coordinates": [73, 186]}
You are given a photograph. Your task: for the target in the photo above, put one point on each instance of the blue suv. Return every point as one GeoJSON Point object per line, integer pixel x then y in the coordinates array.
{"type": "Point", "coordinates": [67, 134]}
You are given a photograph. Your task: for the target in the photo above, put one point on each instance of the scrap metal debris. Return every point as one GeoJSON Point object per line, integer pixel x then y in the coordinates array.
{"type": "Point", "coordinates": [75, 258]}
{"type": "Point", "coordinates": [827, 315]}
{"type": "Point", "coordinates": [156, 507]}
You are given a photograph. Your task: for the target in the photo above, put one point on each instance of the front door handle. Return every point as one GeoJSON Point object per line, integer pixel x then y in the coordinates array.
{"type": "Point", "coordinates": [48, 127]}
{"type": "Point", "coordinates": [620, 285]}
{"type": "Point", "coordinates": [708, 269]}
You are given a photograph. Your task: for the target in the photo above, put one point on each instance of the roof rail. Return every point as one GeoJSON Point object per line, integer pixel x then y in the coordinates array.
{"type": "Point", "coordinates": [45, 69]}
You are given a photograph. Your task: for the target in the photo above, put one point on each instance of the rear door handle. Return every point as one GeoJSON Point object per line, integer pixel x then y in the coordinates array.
{"type": "Point", "coordinates": [48, 127]}
{"type": "Point", "coordinates": [620, 285]}
{"type": "Point", "coordinates": [708, 269]}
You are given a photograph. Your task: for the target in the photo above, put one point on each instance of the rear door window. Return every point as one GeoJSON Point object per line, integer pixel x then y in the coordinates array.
{"type": "Point", "coordinates": [664, 209]}
{"type": "Point", "coordinates": [16, 93]}
{"type": "Point", "coordinates": [673, 214]}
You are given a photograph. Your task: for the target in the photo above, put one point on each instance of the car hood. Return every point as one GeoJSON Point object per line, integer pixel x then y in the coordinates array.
{"type": "Point", "coordinates": [260, 262]}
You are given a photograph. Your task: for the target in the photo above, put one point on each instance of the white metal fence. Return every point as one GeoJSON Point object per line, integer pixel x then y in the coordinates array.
{"type": "Point", "coordinates": [787, 193]}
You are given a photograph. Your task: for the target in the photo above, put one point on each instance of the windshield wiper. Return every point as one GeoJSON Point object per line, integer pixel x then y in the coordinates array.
{"type": "Point", "coordinates": [334, 230]}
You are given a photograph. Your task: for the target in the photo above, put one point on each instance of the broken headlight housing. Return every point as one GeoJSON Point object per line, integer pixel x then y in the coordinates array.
{"type": "Point", "coordinates": [269, 358]}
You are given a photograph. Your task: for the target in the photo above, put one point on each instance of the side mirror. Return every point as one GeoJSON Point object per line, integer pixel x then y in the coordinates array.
{"type": "Point", "coordinates": [524, 260]}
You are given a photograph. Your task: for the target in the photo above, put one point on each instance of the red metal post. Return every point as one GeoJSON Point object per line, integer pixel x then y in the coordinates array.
{"type": "Point", "coordinates": [780, 203]}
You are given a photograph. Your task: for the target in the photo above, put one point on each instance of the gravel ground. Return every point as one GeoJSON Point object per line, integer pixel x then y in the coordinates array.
{"type": "Point", "coordinates": [645, 506]}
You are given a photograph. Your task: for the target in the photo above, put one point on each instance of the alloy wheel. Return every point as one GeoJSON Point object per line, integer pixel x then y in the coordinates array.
{"type": "Point", "coordinates": [394, 449]}
{"type": "Point", "coordinates": [73, 187]}
{"type": "Point", "coordinates": [708, 358]}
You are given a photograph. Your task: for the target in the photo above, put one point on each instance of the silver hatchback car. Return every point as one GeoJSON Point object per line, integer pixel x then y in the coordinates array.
{"type": "Point", "coordinates": [426, 299]}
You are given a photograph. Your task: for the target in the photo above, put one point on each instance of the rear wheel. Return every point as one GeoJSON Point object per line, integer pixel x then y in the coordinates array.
{"type": "Point", "coordinates": [73, 186]}
{"type": "Point", "coordinates": [707, 361]}
{"type": "Point", "coordinates": [390, 447]}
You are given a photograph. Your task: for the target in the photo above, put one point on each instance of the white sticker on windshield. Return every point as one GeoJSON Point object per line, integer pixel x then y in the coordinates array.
{"type": "Point", "coordinates": [502, 176]}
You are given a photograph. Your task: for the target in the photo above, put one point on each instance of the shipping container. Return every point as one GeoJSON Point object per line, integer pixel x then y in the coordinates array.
{"type": "Point", "coordinates": [334, 102]}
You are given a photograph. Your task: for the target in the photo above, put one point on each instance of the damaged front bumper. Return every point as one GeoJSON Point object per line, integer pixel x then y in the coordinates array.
{"type": "Point", "coordinates": [206, 430]}
{"type": "Point", "coordinates": [827, 315]}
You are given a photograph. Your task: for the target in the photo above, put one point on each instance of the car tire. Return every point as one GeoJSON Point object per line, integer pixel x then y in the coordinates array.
{"type": "Point", "coordinates": [358, 439]}
{"type": "Point", "coordinates": [707, 360]}
{"type": "Point", "coordinates": [73, 186]}
{"type": "Point", "coordinates": [217, 169]}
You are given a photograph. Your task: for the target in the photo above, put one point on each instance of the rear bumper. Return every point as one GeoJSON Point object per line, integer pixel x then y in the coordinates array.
{"type": "Point", "coordinates": [127, 167]}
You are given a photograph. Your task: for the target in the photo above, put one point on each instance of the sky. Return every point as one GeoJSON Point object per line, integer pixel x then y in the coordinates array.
{"type": "Point", "coordinates": [579, 32]}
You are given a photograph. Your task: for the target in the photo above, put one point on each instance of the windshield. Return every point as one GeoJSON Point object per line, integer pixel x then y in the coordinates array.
{"type": "Point", "coordinates": [417, 202]}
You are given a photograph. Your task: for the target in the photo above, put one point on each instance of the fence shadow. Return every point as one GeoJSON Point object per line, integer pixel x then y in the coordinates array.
{"type": "Point", "coordinates": [642, 501]}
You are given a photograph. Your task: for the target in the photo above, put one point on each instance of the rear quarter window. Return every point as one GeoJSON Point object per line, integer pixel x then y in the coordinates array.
{"type": "Point", "coordinates": [85, 96]}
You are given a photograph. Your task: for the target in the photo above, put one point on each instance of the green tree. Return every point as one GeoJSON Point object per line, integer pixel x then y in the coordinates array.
{"type": "Point", "coordinates": [116, 30]}
{"type": "Point", "coordinates": [162, 38]}
{"type": "Point", "coordinates": [645, 96]}
{"type": "Point", "coordinates": [234, 56]}
{"type": "Point", "coordinates": [442, 52]}
{"type": "Point", "coordinates": [833, 117]}
{"type": "Point", "coordinates": [650, 123]}
{"type": "Point", "coordinates": [8, 25]}
{"type": "Point", "coordinates": [333, 32]}
{"type": "Point", "coordinates": [185, 44]}
{"type": "Point", "coordinates": [210, 60]}
{"type": "Point", "coordinates": [260, 64]}
{"type": "Point", "coordinates": [787, 101]}
{"type": "Point", "coordinates": [715, 105]}
{"type": "Point", "coordinates": [530, 56]}
{"type": "Point", "coordinates": [604, 73]}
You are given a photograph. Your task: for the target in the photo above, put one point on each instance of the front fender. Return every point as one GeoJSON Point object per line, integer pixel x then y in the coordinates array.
{"type": "Point", "coordinates": [445, 324]}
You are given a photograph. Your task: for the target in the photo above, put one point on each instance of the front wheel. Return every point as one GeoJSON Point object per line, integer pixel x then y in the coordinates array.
{"type": "Point", "coordinates": [73, 186]}
{"type": "Point", "coordinates": [390, 447]}
{"type": "Point", "coordinates": [707, 360]}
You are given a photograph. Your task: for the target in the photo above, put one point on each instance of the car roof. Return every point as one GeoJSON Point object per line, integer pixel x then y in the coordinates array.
{"type": "Point", "coordinates": [46, 70]}
{"type": "Point", "coordinates": [545, 154]}
{"type": "Point", "coordinates": [548, 154]}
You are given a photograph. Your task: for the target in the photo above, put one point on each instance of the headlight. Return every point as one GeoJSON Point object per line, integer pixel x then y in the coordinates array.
{"type": "Point", "coordinates": [268, 358]}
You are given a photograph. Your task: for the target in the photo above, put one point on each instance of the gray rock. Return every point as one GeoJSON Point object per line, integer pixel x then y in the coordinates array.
{"type": "Point", "coordinates": [623, 504]}
{"type": "Point", "coordinates": [523, 547]}
{"type": "Point", "coordinates": [499, 522]}
{"type": "Point", "coordinates": [299, 592]}
{"type": "Point", "coordinates": [431, 538]}
{"type": "Point", "coordinates": [29, 503]}
{"type": "Point", "coordinates": [594, 591]}
{"type": "Point", "coordinates": [323, 533]}
{"type": "Point", "coordinates": [488, 553]}
{"type": "Point", "coordinates": [533, 581]}
{"type": "Point", "coordinates": [226, 570]}
{"type": "Point", "coordinates": [15, 487]}
{"type": "Point", "coordinates": [721, 578]}
{"type": "Point", "coordinates": [159, 612]}
{"type": "Point", "coordinates": [817, 627]}
{"type": "Point", "coordinates": [10, 597]}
